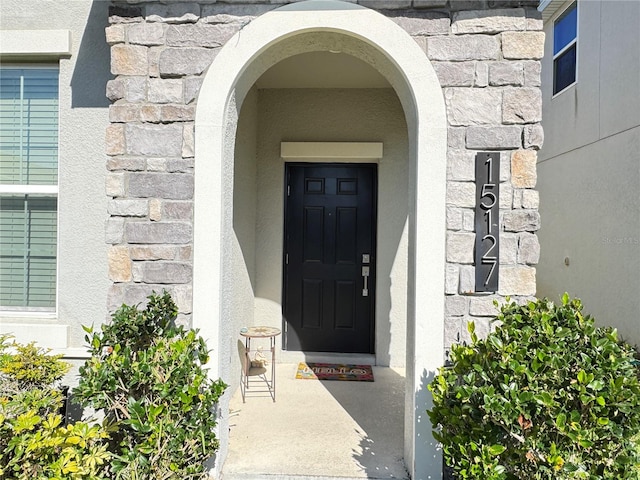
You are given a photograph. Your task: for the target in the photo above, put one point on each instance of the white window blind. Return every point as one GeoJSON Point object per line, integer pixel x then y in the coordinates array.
{"type": "Point", "coordinates": [28, 187]}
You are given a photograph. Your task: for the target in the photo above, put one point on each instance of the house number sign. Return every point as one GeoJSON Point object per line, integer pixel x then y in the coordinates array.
{"type": "Point", "coordinates": [487, 252]}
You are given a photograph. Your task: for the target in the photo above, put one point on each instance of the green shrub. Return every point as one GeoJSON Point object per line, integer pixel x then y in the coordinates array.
{"type": "Point", "coordinates": [34, 443]}
{"type": "Point", "coordinates": [546, 396]}
{"type": "Point", "coordinates": [148, 376]}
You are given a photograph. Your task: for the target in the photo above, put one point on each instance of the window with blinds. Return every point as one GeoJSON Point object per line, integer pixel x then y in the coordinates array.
{"type": "Point", "coordinates": [28, 187]}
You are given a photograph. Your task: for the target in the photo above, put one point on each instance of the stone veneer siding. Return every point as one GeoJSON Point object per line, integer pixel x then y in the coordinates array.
{"type": "Point", "coordinates": [486, 55]}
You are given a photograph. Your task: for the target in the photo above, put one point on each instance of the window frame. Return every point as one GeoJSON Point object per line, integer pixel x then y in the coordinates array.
{"type": "Point", "coordinates": [564, 49]}
{"type": "Point", "coordinates": [38, 189]}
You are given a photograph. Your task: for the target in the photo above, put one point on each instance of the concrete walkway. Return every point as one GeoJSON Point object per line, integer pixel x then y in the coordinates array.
{"type": "Point", "coordinates": [319, 430]}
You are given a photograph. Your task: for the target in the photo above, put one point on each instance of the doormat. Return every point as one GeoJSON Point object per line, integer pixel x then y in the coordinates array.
{"type": "Point", "coordinates": [333, 371]}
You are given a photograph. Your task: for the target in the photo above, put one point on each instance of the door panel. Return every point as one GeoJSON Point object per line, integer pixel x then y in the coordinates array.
{"type": "Point", "coordinates": [330, 213]}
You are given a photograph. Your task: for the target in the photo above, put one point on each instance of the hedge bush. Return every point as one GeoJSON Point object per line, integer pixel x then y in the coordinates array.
{"type": "Point", "coordinates": [147, 374]}
{"type": "Point", "coordinates": [547, 395]}
{"type": "Point", "coordinates": [34, 441]}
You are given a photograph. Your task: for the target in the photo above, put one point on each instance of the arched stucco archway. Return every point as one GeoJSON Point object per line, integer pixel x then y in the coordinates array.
{"type": "Point", "coordinates": [365, 34]}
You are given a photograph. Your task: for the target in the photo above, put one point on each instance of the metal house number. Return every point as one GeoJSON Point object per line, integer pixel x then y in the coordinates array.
{"type": "Point", "coordinates": [487, 254]}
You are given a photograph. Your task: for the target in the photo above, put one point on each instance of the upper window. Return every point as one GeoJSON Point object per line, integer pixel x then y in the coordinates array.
{"type": "Point", "coordinates": [28, 188]}
{"type": "Point", "coordinates": [565, 44]}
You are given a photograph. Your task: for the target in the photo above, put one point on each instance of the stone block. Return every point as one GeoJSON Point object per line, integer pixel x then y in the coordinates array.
{"type": "Point", "coordinates": [172, 12]}
{"type": "Point", "coordinates": [146, 34]}
{"type": "Point", "coordinates": [458, 74]}
{"type": "Point", "coordinates": [114, 230]}
{"type": "Point", "coordinates": [451, 279]}
{"type": "Point", "coordinates": [528, 249]}
{"type": "Point", "coordinates": [184, 253]}
{"type": "Point", "coordinates": [517, 280]}
{"type": "Point", "coordinates": [182, 295]}
{"type": "Point", "coordinates": [533, 136]}
{"type": "Point", "coordinates": [426, 23]}
{"type": "Point", "coordinates": [174, 186]}
{"type": "Point", "coordinates": [508, 248]}
{"type": "Point", "coordinates": [127, 208]}
{"type": "Point", "coordinates": [119, 264]}
{"type": "Point", "coordinates": [489, 21]}
{"type": "Point", "coordinates": [460, 247]}
{"type": "Point", "coordinates": [468, 220]}
{"type": "Point", "coordinates": [177, 113]}
{"type": "Point", "coordinates": [522, 105]}
{"type": "Point", "coordinates": [200, 35]}
{"type": "Point", "coordinates": [532, 72]}
{"type": "Point", "coordinates": [124, 113]}
{"type": "Point", "coordinates": [456, 306]}
{"type": "Point", "coordinates": [461, 194]}
{"type": "Point", "coordinates": [154, 61]}
{"type": "Point", "coordinates": [461, 165]}
{"type": "Point", "coordinates": [506, 196]}
{"type": "Point", "coordinates": [177, 210]}
{"type": "Point", "coordinates": [129, 60]}
{"type": "Point", "coordinates": [114, 140]}
{"type": "Point", "coordinates": [473, 106]}
{"type": "Point", "coordinates": [494, 138]}
{"type": "Point", "coordinates": [456, 137]}
{"type": "Point", "coordinates": [132, 164]}
{"type": "Point", "coordinates": [534, 23]}
{"type": "Point", "coordinates": [114, 185]}
{"type": "Point", "coordinates": [422, 43]}
{"type": "Point", "coordinates": [150, 113]}
{"type": "Point", "coordinates": [164, 272]}
{"type": "Point", "coordinates": [155, 210]}
{"type": "Point", "coordinates": [192, 88]}
{"type": "Point", "coordinates": [165, 90]}
{"type": "Point", "coordinates": [185, 61]}
{"type": "Point", "coordinates": [506, 73]}
{"type": "Point", "coordinates": [467, 282]}
{"type": "Point", "coordinates": [505, 166]}
{"type": "Point", "coordinates": [156, 165]}
{"type": "Point", "coordinates": [158, 232]}
{"type": "Point", "coordinates": [521, 221]}
{"type": "Point", "coordinates": [183, 165]}
{"type": "Point", "coordinates": [483, 306]}
{"type": "Point", "coordinates": [136, 272]}
{"type": "Point", "coordinates": [482, 74]}
{"type": "Point", "coordinates": [523, 45]}
{"type": "Point", "coordinates": [454, 218]}
{"type": "Point", "coordinates": [530, 199]}
{"type": "Point", "coordinates": [114, 34]}
{"type": "Point", "coordinates": [523, 168]}
{"type": "Point", "coordinates": [135, 89]}
{"type": "Point", "coordinates": [188, 141]}
{"type": "Point", "coordinates": [154, 140]}
{"type": "Point", "coordinates": [452, 331]}
{"type": "Point", "coordinates": [464, 47]}
{"type": "Point", "coordinates": [152, 252]}
{"type": "Point", "coordinates": [115, 89]}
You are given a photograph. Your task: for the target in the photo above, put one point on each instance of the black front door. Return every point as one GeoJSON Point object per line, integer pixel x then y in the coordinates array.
{"type": "Point", "coordinates": [329, 263]}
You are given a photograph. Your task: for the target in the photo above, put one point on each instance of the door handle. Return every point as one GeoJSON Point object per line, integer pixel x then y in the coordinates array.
{"type": "Point", "coordinates": [365, 278]}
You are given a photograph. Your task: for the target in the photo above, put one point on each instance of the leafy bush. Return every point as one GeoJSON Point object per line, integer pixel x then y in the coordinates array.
{"type": "Point", "coordinates": [34, 443]}
{"type": "Point", "coordinates": [546, 396]}
{"type": "Point", "coordinates": [148, 376]}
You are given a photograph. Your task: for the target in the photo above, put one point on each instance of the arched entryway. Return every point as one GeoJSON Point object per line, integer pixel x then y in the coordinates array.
{"type": "Point", "coordinates": [219, 286]}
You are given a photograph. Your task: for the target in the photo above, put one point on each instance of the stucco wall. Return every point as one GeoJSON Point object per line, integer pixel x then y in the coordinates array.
{"type": "Point", "coordinates": [82, 205]}
{"type": "Point", "coordinates": [336, 115]}
{"type": "Point", "coordinates": [588, 170]}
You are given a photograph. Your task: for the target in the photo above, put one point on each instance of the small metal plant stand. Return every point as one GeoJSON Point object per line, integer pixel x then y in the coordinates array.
{"type": "Point", "coordinates": [253, 370]}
